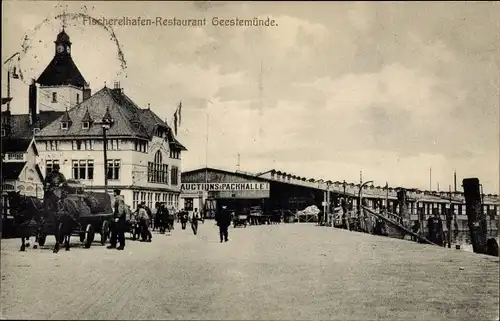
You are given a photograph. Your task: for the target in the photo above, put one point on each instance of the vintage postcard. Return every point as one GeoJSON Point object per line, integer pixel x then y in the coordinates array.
{"type": "Point", "coordinates": [216, 160]}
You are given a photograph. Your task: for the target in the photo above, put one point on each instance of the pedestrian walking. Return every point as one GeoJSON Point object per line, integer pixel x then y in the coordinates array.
{"type": "Point", "coordinates": [144, 223]}
{"type": "Point", "coordinates": [223, 219]}
{"type": "Point", "coordinates": [184, 219]}
{"type": "Point", "coordinates": [118, 226]}
{"type": "Point", "coordinates": [194, 221]}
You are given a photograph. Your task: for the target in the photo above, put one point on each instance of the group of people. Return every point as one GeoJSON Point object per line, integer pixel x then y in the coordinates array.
{"type": "Point", "coordinates": [142, 216]}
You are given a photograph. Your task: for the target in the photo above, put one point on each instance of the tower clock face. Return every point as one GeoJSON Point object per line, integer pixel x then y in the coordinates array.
{"type": "Point", "coordinates": [60, 48]}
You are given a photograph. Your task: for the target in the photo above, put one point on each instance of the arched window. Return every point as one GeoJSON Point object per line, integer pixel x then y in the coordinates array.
{"type": "Point", "coordinates": [157, 171]}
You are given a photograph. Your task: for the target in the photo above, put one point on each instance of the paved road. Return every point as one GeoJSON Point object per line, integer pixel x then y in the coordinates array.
{"type": "Point", "coordinates": [289, 271]}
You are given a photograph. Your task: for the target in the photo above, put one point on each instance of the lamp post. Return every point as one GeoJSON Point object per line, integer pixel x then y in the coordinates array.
{"type": "Point", "coordinates": [107, 122]}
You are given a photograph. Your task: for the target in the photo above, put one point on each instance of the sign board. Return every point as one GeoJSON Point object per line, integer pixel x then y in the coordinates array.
{"type": "Point", "coordinates": [221, 187]}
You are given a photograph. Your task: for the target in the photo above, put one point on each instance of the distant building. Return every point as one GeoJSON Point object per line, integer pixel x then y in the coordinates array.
{"type": "Point", "coordinates": [20, 170]}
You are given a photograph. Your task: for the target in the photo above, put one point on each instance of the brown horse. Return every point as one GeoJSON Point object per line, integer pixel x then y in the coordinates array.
{"type": "Point", "coordinates": [27, 213]}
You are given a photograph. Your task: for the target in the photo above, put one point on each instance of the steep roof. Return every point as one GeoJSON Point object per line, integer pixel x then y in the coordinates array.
{"type": "Point", "coordinates": [129, 119]}
{"type": "Point", "coordinates": [12, 170]}
{"type": "Point", "coordinates": [20, 126]}
{"type": "Point", "coordinates": [62, 70]}
{"type": "Point", "coordinates": [13, 145]}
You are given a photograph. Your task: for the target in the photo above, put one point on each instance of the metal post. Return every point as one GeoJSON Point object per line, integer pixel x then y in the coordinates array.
{"type": "Point", "coordinates": [105, 147]}
{"type": "Point", "coordinates": [359, 197]}
{"type": "Point", "coordinates": [386, 199]}
{"type": "Point", "coordinates": [8, 89]}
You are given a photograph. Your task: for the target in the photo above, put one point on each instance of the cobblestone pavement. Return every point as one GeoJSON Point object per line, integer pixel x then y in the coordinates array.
{"type": "Point", "coordinates": [288, 271]}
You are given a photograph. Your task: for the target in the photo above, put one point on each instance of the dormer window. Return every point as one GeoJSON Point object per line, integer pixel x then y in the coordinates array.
{"type": "Point", "coordinates": [64, 125]}
{"type": "Point", "coordinates": [85, 125]}
{"type": "Point", "coordinates": [54, 97]}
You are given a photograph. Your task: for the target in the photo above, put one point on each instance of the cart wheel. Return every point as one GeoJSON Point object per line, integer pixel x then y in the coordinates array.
{"type": "Point", "coordinates": [89, 236]}
{"type": "Point", "coordinates": [41, 239]}
{"type": "Point", "coordinates": [104, 232]}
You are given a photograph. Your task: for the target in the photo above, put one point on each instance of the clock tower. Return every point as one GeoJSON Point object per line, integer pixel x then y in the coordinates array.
{"type": "Point", "coordinates": [63, 45]}
{"type": "Point", "coordinates": [61, 85]}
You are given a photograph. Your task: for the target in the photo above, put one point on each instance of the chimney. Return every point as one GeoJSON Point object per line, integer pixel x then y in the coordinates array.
{"type": "Point", "coordinates": [32, 100]}
{"type": "Point", "coordinates": [117, 88]}
{"type": "Point", "coordinates": [86, 92]}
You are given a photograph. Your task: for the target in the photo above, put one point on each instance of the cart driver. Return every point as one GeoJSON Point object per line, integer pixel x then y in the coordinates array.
{"type": "Point", "coordinates": [54, 178]}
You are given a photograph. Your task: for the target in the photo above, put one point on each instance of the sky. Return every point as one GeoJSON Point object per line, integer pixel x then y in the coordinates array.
{"type": "Point", "coordinates": [335, 88]}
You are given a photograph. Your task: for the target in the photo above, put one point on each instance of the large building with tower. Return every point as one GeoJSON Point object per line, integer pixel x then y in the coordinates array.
{"type": "Point", "coordinates": [143, 157]}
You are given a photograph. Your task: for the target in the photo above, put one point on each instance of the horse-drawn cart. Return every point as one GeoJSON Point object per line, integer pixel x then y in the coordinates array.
{"type": "Point", "coordinates": [85, 226]}
{"type": "Point", "coordinates": [76, 212]}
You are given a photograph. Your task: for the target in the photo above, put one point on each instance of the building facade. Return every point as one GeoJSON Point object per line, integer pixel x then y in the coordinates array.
{"type": "Point", "coordinates": [20, 170]}
{"type": "Point", "coordinates": [143, 156]}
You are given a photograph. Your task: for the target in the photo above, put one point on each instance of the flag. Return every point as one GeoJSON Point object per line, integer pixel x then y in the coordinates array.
{"type": "Point", "coordinates": [175, 122]}
{"type": "Point", "coordinates": [180, 112]}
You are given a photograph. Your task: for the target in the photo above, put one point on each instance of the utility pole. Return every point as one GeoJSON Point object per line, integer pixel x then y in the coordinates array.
{"type": "Point", "coordinates": [8, 78]}
{"type": "Point", "coordinates": [238, 163]}
{"type": "Point", "coordinates": [386, 199]}
{"type": "Point", "coordinates": [455, 179]}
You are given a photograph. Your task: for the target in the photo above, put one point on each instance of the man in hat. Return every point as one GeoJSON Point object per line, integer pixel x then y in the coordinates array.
{"type": "Point", "coordinates": [223, 219]}
{"type": "Point", "coordinates": [53, 180]}
{"type": "Point", "coordinates": [118, 226]}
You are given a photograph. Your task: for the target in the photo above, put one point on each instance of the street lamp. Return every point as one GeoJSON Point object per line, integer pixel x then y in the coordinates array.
{"type": "Point", "coordinates": [107, 122]}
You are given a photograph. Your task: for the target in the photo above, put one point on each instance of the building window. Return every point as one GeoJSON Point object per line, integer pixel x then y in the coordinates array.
{"type": "Point", "coordinates": [77, 98]}
{"type": "Point", "coordinates": [113, 144]}
{"type": "Point", "coordinates": [164, 197]}
{"type": "Point", "coordinates": [83, 169]}
{"type": "Point", "coordinates": [170, 199]}
{"type": "Point", "coordinates": [176, 201]}
{"type": "Point", "coordinates": [188, 204]}
{"type": "Point", "coordinates": [64, 125]}
{"type": "Point", "coordinates": [157, 171]}
{"type": "Point", "coordinates": [143, 197]}
{"type": "Point", "coordinates": [54, 97]}
{"type": "Point", "coordinates": [15, 156]}
{"type": "Point", "coordinates": [49, 165]}
{"type": "Point", "coordinates": [174, 175]}
{"type": "Point", "coordinates": [175, 154]}
{"type": "Point", "coordinates": [141, 146]}
{"type": "Point", "coordinates": [135, 200]}
{"type": "Point", "coordinates": [82, 145]}
{"type": "Point", "coordinates": [113, 169]}
{"type": "Point", "coordinates": [157, 198]}
{"type": "Point", "coordinates": [150, 200]}
{"type": "Point", "coordinates": [85, 125]}
{"type": "Point", "coordinates": [3, 132]}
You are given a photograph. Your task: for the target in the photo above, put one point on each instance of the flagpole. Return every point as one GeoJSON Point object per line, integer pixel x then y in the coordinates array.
{"type": "Point", "coordinates": [206, 149]}
{"type": "Point", "coordinates": [430, 179]}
